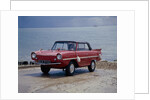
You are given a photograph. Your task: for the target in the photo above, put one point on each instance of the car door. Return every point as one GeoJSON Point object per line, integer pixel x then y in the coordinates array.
{"type": "Point", "coordinates": [83, 54]}
{"type": "Point", "coordinates": [87, 58]}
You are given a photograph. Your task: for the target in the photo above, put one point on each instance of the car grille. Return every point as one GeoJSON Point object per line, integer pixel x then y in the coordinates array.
{"type": "Point", "coordinates": [44, 61]}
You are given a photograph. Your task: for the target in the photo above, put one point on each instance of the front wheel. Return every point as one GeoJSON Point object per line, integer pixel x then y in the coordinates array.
{"type": "Point", "coordinates": [70, 69]}
{"type": "Point", "coordinates": [45, 69]}
{"type": "Point", "coordinates": [92, 66]}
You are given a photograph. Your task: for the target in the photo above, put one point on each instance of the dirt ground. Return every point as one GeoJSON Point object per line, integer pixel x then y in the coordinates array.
{"type": "Point", "coordinates": [102, 80]}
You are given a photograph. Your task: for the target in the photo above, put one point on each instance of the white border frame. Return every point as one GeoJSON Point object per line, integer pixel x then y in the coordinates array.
{"type": "Point", "coordinates": [125, 52]}
{"type": "Point", "coordinates": [141, 26]}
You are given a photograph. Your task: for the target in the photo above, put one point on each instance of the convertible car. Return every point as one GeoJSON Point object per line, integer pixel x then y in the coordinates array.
{"type": "Point", "coordinates": [67, 55]}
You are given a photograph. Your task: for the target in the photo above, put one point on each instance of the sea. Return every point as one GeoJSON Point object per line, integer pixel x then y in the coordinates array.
{"type": "Point", "coordinates": [33, 39]}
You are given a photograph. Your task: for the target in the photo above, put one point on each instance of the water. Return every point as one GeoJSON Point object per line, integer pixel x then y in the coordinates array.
{"type": "Point", "coordinates": [32, 39]}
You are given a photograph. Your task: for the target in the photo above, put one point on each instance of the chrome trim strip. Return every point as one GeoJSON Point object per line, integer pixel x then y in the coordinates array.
{"type": "Point", "coordinates": [69, 58]}
{"type": "Point", "coordinates": [81, 57]}
{"type": "Point", "coordinates": [89, 57]}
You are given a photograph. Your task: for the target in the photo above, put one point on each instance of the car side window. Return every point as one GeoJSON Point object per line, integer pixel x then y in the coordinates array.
{"type": "Point", "coordinates": [72, 46]}
{"type": "Point", "coordinates": [86, 47]}
{"type": "Point", "coordinates": [82, 47]}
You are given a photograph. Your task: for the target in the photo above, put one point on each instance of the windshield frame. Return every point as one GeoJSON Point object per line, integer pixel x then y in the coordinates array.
{"type": "Point", "coordinates": [63, 43]}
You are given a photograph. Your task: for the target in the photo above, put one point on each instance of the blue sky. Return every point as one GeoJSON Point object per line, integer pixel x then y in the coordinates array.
{"type": "Point", "coordinates": [65, 21]}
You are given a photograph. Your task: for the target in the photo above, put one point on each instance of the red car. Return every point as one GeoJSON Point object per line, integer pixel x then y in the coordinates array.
{"type": "Point", "coordinates": [67, 55]}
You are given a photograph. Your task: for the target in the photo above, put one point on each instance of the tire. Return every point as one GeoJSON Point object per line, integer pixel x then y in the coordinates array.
{"type": "Point", "coordinates": [92, 66]}
{"type": "Point", "coordinates": [45, 69]}
{"type": "Point", "coordinates": [70, 69]}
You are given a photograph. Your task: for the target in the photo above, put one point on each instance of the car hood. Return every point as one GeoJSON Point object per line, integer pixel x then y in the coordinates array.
{"type": "Point", "coordinates": [49, 52]}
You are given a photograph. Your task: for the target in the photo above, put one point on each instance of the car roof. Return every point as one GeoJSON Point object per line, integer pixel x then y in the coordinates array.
{"type": "Point", "coordinates": [70, 41]}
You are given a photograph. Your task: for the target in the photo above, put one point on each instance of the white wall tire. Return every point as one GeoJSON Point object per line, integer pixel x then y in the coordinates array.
{"type": "Point", "coordinates": [92, 66]}
{"type": "Point", "coordinates": [70, 69]}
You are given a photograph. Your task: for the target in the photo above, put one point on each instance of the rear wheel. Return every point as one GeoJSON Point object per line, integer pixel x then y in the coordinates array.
{"type": "Point", "coordinates": [92, 66]}
{"type": "Point", "coordinates": [70, 69]}
{"type": "Point", "coordinates": [45, 69]}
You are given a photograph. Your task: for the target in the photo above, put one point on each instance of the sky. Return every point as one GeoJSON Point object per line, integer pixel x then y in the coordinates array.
{"type": "Point", "coordinates": [65, 21]}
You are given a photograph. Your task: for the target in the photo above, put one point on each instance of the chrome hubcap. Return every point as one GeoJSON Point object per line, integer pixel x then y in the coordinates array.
{"type": "Point", "coordinates": [93, 65]}
{"type": "Point", "coordinates": [71, 68]}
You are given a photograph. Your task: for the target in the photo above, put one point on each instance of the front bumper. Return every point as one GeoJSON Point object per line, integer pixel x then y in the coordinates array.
{"type": "Point", "coordinates": [48, 63]}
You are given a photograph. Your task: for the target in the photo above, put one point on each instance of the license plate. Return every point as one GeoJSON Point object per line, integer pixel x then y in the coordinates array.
{"type": "Point", "coordinates": [44, 61]}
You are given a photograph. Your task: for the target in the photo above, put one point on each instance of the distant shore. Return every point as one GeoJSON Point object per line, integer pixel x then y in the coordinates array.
{"type": "Point", "coordinates": [106, 65]}
{"type": "Point", "coordinates": [99, 65]}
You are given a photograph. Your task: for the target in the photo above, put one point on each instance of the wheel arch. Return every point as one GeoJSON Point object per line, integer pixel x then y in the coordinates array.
{"type": "Point", "coordinates": [75, 62]}
{"type": "Point", "coordinates": [93, 60]}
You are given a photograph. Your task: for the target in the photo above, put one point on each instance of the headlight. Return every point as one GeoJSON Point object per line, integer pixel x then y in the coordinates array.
{"type": "Point", "coordinates": [33, 55]}
{"type": "Point", "coordinates": [59, 56]}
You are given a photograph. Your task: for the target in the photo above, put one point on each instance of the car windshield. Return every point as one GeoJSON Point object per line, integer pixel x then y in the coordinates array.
{"type": "Point", "coordinates": [64, 46]}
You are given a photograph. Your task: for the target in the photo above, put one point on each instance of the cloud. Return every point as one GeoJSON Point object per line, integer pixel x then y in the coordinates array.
{"type": "Point", "coordinates": [91, 21]}
{"type": "Point", "coordinates": [83, 21]}
{"type": "Point", "coordinates": [65, 21]}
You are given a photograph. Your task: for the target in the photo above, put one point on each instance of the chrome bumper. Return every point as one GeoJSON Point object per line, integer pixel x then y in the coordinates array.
{"type": "Point", "coordinates": [48, 63]}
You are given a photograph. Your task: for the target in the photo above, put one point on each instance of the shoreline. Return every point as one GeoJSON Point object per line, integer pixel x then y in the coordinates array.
{"type": "Point", "coordinates": [99, 65]}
